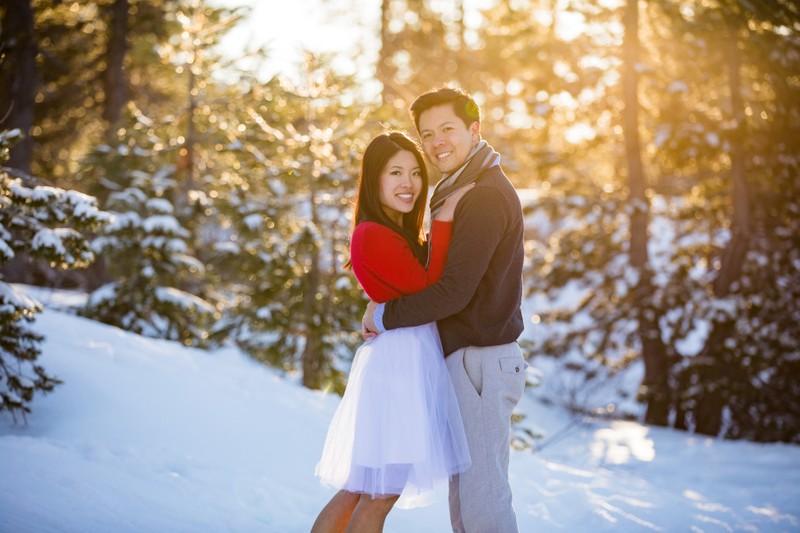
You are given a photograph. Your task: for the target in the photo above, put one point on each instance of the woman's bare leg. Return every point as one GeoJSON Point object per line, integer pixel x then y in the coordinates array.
{"type": "Point", "coordinates": [335, 516]}
{"type": "Point", "coordinates": [370, 514]}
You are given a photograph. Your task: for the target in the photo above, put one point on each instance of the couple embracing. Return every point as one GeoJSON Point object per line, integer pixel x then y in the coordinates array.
{"type": "Point", "coordinates": [431, 391]}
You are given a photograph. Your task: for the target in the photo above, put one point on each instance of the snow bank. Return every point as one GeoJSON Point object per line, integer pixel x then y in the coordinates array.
{"type": "Point", "coordinates": [148, 435]}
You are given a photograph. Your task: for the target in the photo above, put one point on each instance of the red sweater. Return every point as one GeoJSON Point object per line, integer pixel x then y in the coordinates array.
{"type": "Point", "coordinates": [386, 266]}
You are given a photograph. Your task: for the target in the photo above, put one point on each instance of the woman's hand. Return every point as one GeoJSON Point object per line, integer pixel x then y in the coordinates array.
{"type": "Point", "coordinates": [447, 211]}
{"type": "Point", "coordinates": [368, 328]}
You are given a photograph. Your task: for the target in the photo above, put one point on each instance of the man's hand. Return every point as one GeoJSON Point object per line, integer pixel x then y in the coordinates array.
{"type": "Point", "coordinates": [448, 210]}
{"type": "Point", "coordinates": [368, 329]}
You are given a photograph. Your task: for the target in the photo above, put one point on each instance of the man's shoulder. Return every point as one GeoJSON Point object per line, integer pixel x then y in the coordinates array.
{"type": "Point", "coordinates": [495, 177]}
{"type": "Point", "coordinates": [495, 180]}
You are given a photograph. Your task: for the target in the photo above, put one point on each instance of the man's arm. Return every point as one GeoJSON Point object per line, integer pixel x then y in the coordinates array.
{"type": "Point", "coordinates": [480, 222]}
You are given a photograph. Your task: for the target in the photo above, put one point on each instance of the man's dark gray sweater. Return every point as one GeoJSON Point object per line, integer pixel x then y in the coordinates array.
{"type": "Point", "coordinates": [477, 300]}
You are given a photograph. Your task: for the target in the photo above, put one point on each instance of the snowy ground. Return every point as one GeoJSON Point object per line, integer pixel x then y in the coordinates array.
{"type": "Point", "coordinates": [149, 436]}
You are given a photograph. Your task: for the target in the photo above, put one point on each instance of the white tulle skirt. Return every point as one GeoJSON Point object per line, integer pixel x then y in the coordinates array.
{"type": "Point", "coordinates": [397, 429]}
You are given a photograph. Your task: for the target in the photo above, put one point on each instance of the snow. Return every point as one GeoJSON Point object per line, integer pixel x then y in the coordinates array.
{"type": "Point", "coordinates": [229, 247]}
{"type": "Point", "coordinates": [678, 86]}
{"type": "Point", "coordinates": [662, 135]}
{"type": "Point", "coordinates": [6, 252]}
{"type": "Point", "coordinates": [713, 139]}
{"type": "Point", "coordinates": [695, 338]}
{"type": "Point", "coordinates": [160, 205]}
{"type": "Point", "coordinates": [53, 239]}
{"type": "Point", "coordinates": [167, 244]}
{"type": "Point", "coordinates": [121, 221]}
{"type": "Point", "coordinates": [166, 224]}
{"type": "Point", "coordinates": [191, 263]}
{"type": "Point", "coordinates": [183, 299]}
{"type": "Point", "coordinates": [131, 195]}
{"type": "Point", "coordinates": [149, 435]}
{"type": "Point", "coordinates": [104, 293]}
{"type": "Point", "coordinates": [39, 193]}
{"type": "Point", "coordinates": [18, 298]}
{"type": "Point", "coordinates": [253, 222]}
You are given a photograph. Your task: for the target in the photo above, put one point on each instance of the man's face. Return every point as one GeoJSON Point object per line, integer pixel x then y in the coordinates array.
{"type": "Point", "coordinates": [446, 140]}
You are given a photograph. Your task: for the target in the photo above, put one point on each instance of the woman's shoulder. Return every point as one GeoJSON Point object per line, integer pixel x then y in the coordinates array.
{"type": "Point", "coordinates": [369, 230]}
{"type": "Point", "coordinates": [372, 243]}
{"type": "Point", "coordinates": [376, 240]}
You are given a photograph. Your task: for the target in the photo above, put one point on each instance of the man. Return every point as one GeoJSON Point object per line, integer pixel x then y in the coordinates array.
{"type": "Point", "coordinates": [476, 304]}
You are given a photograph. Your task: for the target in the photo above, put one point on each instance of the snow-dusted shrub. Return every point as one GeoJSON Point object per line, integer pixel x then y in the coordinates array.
{"type": "Point", "coordinates": [38, 222]}
{"type": "Point", "coordinates": [156, 281]}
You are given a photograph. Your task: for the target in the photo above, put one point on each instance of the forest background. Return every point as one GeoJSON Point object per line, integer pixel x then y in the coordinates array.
{"type": "Point", "coordinates": [657, 147]}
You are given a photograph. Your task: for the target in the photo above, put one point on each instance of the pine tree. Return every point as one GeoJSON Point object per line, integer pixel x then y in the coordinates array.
{"type": "Point", "coordinates": [17, 77]}
{"type": "Point", "coordinates": [417, 50]}
{"type": "Point", "coordinates": [287, 210]}
{"type": "Point", "coordinates": [46, 223]}
{"type": "Point", "coordinates": [736, 385]}
{"type": "Point", "coordinates": [710, 132]}
{"type": "Point", "coordinates": [83, 51]}
{"type": "Point", "coordinates": [145, 245]}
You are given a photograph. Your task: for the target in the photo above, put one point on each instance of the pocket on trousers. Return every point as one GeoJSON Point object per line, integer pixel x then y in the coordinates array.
{"type": "Point", "coordinates": [514, 370]}
{"type": "Point", "coordinates": [513, 365]}
{"type": "Point", "coordinates": [475, 375]}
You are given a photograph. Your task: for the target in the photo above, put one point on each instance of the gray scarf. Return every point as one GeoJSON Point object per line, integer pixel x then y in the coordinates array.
{"type": "Point", "coordinates": [480, 158]}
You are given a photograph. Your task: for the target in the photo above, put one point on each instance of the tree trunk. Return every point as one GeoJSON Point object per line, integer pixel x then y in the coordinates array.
{"type": "Point", "coordinates": [460, 27]}
{"type": "Point", "coordinates": [313, 359]}
{"type": "Point", "coordinates": [384, 68]}
{"type": "Point", "coordinates": [185, 164]}
{"type": "Point", "coordinates": [460, 53]}
{"type": "Point", "coordinates": [655, 384]}
{"type": "Point", "coordinates": [191, 136]}
{"type": "Point", "coordinates": [18, 78]}
{"type": "Point", "coordinates": [737, 247]}
{"type": "Point", "coordinates": [116, 86]}
{"type": "Point", "coordinates": [710, 406]}
{"type": "Point", "coordinates": [313, 356]}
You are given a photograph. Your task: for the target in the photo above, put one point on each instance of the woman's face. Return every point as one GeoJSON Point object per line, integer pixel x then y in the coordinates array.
{"type": "Point", "coordinates": [400, 185]}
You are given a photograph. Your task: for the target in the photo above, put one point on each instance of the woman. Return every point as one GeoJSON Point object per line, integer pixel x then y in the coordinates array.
{"type": "Point", "coordinates": [397, 433]}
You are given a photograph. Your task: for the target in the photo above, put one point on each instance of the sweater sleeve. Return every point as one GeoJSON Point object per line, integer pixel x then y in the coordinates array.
{"type": "Point", "coordinates": [479, 226]}
{"type": "Point", "coordinates": [441, 235]}
{"type": "Point", "coordinates": [386, 266]}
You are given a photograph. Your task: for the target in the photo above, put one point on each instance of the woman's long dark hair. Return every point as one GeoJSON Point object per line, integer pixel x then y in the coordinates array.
{"type": "Point", "coordinates": [367, 202]}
